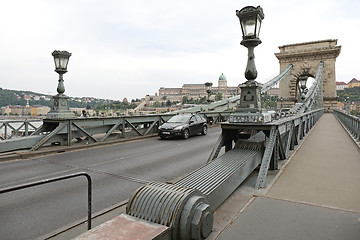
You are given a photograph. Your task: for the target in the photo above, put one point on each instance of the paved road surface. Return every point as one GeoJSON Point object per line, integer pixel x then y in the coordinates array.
{"type": "Point", "coordinates": [31, 213]}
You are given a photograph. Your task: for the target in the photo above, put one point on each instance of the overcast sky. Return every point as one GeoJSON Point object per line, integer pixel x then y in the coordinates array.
{"type": "Point", "coordinates": [130, 48]}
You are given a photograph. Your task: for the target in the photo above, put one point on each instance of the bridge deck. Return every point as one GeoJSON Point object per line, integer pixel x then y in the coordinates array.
{"type": "Point", "coordinates": [317, 196]}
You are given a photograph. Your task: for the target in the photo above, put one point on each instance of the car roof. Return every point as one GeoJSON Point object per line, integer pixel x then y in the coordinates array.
{"type": "Point", "coordinates": [187, 113]}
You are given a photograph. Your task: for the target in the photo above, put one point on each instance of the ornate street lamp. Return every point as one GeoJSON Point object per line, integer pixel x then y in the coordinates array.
{"type": "Point", "coordinates": [250, 21]}
{"type": "Point", "coordinates": [208, 86]}
{"type": "Point", "coordinates": [61, 106]}
{"type": "Point", "coordinates": [61, 59]}
{"type": "Point", "coordinates": [302, 82]}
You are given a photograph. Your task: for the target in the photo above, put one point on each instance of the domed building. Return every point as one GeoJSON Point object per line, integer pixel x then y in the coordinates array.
{"type": "Point", "coordinates": [224, 89]}
{"type": "Point", "coordinates": [197, 91]}
{"type": "Point", "coordinates": [222, 83]}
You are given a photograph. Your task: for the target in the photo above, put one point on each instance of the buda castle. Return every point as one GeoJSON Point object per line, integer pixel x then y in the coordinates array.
{"type": "Point", "coordinates": [197, 91]}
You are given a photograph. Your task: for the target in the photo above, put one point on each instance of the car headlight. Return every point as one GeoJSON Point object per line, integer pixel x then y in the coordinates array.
{"type": "Point", "coordinates": [179, 128]}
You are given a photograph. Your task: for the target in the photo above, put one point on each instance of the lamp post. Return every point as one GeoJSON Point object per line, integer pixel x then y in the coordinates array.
{"type": "Point", "coordinates": [208, 86]}
{"type": "Point", "coordinates": [61, 106]}
{"type": "Point", "coordinates": [347, 106]}
{"type": "Point", "coordinates": [302, 82]}
{"type": "Point", "coordinates": [250, 21]}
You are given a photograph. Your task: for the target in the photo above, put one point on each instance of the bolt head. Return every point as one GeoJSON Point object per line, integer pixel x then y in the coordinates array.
{"type": "Point", "coordinates": [202, 222]}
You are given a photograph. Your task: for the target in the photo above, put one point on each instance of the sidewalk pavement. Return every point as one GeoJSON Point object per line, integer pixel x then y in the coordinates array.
{"type": "Point", "coordinates": [317, 195]}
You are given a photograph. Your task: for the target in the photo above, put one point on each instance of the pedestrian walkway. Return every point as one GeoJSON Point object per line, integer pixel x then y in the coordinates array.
{"type": "Point", "coordinates": [317, 196]}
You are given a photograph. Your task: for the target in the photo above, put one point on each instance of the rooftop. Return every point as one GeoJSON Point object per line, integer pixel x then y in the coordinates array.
{"type": "Point", "coordinates": [354, 80]}
{"type": "Point", "coordinates": [341, 83]}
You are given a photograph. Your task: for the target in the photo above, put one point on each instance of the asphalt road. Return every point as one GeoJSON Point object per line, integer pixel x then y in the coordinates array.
{"type": "Point", "coordinates": [34, 212]}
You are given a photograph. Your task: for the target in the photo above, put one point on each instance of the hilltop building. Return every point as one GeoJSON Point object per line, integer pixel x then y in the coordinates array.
{"type": "Point", "coordinates": [197, 91]}
{"type": "Point", "coordinates": [341, 86]}
{"type": "Point", "coordinates": [354, 83]}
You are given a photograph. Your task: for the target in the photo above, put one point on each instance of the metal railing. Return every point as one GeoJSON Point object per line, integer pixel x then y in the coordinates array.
{"type": "Point", "coordinates": [11, 128]}
{"type": "Point", "coordinates": [56, 179]}
{"type": "Point", "coordinates": [63, 131]}
{"type": "Point", "coordinates": [351, 123]}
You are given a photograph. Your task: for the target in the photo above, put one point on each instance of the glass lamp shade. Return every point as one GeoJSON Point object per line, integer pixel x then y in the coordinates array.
{"type": "Point", "coordinates": [250, 20]}
{"type": "Point", "coordinates": [61, 59]}
{"type": "Point", "coordinates": [302, 81]}
{"type": "Point", "coordinates": [251, 27]}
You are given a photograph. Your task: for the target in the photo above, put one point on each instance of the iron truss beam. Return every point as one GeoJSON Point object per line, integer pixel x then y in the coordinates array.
{"type": "Point", "coordinates": [282, 135]}
{"type": "Point", "coordinates": [65, 131]}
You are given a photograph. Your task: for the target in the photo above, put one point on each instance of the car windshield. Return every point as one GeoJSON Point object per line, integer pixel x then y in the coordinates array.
{"type": "Point", "coordinates": [179, 119]}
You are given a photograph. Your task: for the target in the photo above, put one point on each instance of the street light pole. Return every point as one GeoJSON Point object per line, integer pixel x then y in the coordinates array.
{"type": "Point", "coordinates": [208, 86]}
{"type": "Point", "coordinates": [61, 108]}
{"type": "Point", "coordinates": [250, 21]}
{"type": "Point", "coordinates": [347, 105]}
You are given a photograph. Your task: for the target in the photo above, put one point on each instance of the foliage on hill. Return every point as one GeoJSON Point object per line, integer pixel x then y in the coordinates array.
{"type": "Point", "coordinates": [15, 97]}
{"type": "Point", "coordinates": [7, 97]}
{"type": "Point", "coordinates": [353, 94]}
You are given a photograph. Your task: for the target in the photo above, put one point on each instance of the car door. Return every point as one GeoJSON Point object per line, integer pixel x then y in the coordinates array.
{"type": "Point", "coordinates": [193, 125]}
{"type": "Point", "coordinates": [199, 123]}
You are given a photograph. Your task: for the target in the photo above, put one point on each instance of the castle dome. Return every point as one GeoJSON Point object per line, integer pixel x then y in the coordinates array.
{"type": "Point", "coordinates": [222, 77]}
{"type": "Point", "coordinates": [222, 83]}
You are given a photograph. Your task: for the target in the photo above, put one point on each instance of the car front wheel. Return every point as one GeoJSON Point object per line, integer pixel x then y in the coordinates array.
{"type": "Point", "coordinates": [204, 130]}
{"type": "Point", "coordinates": [186, 134]}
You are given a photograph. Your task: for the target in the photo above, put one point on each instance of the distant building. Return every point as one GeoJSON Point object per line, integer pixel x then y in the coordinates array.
{"type": "Point", "coordinates": [354, 83]}
{"type": "Point", "coordinates": [340, 105]}
{"type": "Point", "coordinates": [197, 91]}
{"type": "Point", "coordinates": [20, 110]}
{"type": "Point", "coordinates": [39, 110]}
{"type": "Point", "coordinates": [6, 110]}
{"type": "Point", "coordinates": [355, 106]}
{"type": "Point", "coordinates": [273, 92]}
{"type": "Point", "coordinates": [173, 94]}
{"type": "Point", "coordinates": [341, 86]}
{"type": "Point", "coordinates": [25, 111]}
{"type": "Point", "coordinates": [27, 97]}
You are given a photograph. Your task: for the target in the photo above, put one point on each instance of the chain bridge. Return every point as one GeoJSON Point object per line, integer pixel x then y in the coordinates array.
{"type": "Point", "coordinates": [255, 147]}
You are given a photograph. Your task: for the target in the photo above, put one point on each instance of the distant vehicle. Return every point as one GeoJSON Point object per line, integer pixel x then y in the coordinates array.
{"type": "Point", "coordinates": [183, 125]}
{"type": "Point", "coordinates": [284, 109]}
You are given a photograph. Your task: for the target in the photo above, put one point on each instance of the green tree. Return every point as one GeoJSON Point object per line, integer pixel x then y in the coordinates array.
{"type": "Point", "coordinates": [218, 96]}
{"type": "Point", "coordinates": [156, 104]}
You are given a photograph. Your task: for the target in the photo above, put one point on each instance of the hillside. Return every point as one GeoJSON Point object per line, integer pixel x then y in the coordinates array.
{"type": "Point", "coordinates": [352, 93]}
{"type": "Point", "coordinates": [15, 97]}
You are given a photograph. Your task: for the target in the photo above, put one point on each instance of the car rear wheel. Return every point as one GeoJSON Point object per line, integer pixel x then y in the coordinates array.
{"type": "Point", "coordinates": [204, 130]}
{"type": "Point", "coordinates": [186, 133]}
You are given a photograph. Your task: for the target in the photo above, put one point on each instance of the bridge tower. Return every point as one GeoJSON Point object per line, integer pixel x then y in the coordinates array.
{"type": "Point", "coordinates": [305, 58]}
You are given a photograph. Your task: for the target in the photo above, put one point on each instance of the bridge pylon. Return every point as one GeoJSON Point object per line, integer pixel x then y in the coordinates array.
{"type": "Point", "coordinates": [305, 58]}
